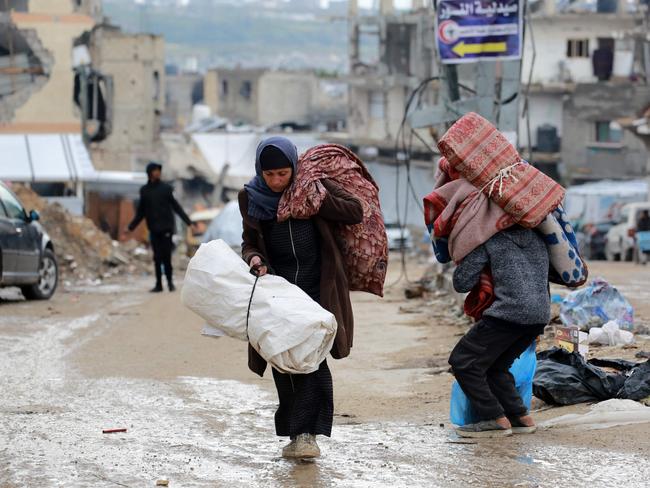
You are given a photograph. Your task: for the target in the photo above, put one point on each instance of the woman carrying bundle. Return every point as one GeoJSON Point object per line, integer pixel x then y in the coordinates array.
{"type": "Point", "coordinates": [305, 253]}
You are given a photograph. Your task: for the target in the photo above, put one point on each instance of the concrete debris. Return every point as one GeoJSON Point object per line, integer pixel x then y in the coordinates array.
{"type": "Point", "coordinates": [84, 252]}
{"type": "Point", "coordinates": [416, 290]}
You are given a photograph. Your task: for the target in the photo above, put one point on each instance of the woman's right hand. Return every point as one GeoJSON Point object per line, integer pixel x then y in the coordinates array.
{"type": "Point", "coordinates": [257, 267]}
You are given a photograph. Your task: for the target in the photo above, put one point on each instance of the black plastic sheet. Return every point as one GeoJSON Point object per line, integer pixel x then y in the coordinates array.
{"type": "Point", "coordinates": [564, 378]}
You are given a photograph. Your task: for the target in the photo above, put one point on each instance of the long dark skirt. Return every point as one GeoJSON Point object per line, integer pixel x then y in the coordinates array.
{"type": "Point", "coordinates": [306, 402]}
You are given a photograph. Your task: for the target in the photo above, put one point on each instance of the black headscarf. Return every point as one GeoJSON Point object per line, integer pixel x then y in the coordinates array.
{"type": "Point", "coordinates": [262, 201]}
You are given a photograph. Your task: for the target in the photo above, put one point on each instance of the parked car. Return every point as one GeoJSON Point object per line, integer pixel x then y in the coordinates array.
{"type": "Point", "coordinates": [26, 252]}
{"type": "Point", "coordinates": [594, 239]}
{"type": "Point", "coordinates": [620, 238]}
{"type": "Point", "coordinates": [398, 237]}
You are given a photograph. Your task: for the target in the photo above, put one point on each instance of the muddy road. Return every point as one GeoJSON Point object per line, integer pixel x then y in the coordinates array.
{"type": "Point", "coordinates": [114, 356]}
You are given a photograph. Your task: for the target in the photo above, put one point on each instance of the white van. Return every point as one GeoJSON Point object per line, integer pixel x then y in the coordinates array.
{"type": "Point", "coordinates": [620, 238]}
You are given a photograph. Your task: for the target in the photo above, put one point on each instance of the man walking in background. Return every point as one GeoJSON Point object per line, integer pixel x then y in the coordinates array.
{"type": "Point", "coordinates": [157, 206]}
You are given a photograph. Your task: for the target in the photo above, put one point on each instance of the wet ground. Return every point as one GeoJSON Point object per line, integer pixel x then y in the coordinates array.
{"type": "Point", "coordinates": [113, 356]}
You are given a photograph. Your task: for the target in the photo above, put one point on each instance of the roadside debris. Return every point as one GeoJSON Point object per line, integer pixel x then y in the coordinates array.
{"type": "Point", "coordinates": [564, 378]}
{"type": "Point", "coordinates": [162, 483]}
{"type": "Point", "coordinates": [595, 305]}
{"type": "Point", "coordinates": [603, 415]}
{"type": "Point", "coordinates": [572, 339]}
{"type": "Point", "coordinates": [610, 335]}
{"type": "Point", "coordinates": [113, 431]}
{"type": "Point", "coordinates": [83, 251]}
{"type": "Point", "coordinates": [415, 290]}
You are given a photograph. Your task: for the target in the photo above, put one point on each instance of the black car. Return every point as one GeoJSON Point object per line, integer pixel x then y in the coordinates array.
{"type": "Point", "coordinates": [26, 252]}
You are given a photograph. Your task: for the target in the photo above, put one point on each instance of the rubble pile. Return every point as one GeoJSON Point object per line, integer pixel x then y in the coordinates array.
{"type": "Point", "coordinates": [83, 251]}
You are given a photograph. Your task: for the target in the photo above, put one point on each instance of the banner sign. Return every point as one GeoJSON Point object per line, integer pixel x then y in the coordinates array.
{"type": "Point", "coordinates": [472, 30]}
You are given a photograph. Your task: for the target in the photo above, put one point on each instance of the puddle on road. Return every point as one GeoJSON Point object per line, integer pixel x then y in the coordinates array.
{"type": "Point", "coordinates": [207, 432]}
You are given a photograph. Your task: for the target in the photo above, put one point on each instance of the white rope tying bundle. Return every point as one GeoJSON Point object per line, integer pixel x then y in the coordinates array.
{"type": "Point", "coordinates": [503, 174]}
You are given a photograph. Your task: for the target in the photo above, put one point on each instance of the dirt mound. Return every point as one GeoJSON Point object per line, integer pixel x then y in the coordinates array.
{"type": "Point", "coordinates": [83, 251]}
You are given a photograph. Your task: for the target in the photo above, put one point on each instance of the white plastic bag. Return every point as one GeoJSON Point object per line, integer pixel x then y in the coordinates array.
{"type": "Point", "coordinates": [286, 327]}
{"type": "Point", "coordinates": [610, 335]}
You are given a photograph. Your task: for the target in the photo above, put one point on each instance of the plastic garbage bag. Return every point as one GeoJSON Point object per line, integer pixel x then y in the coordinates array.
{"type": "Point", "coordinates": [637, 385]}
{"type": "Point", "coordinates": [564, 378]}
{"type": "Point", "coordinates": [595, 305]}
{"type": "Point", "coordinates": [523, 370]}
{"type": "Point", "coordinates": [286, 327]}
{"type": "Point", "coordinates": [610, 335]}
{"type": "Point", "coordinates": [603, 415]}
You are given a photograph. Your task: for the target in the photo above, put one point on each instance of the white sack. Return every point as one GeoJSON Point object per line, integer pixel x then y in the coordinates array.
{"type": "Point", "coordinates": [286, 327]}
{"type": "Point", "coordinates": [610, 335]}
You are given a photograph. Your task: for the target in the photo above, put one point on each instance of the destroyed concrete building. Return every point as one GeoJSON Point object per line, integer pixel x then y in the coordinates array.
{"type": "Point", "coordinates": [390, 52]}
{"type": "Point", "coordinates": [589, 71]}
{"type": "Point", "coordinates": [182, 90]}
{"type": "Point", "coordinates": [36, 78]}
{"type": "Point", "coordinates": [131, 70]}
{"type": "Point", "coordinates": [269, 98]}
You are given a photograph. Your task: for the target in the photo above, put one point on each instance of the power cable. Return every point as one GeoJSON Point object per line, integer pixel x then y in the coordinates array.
{"type": "Point", "coordinates": [402, 149]}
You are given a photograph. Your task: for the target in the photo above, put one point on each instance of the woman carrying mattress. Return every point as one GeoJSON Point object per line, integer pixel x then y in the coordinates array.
{"type": "Point", "coordinates": [305, 253]}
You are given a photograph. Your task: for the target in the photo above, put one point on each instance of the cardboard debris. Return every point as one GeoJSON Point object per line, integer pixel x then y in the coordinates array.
{"type": "Point", "coordinates": [572, 339]}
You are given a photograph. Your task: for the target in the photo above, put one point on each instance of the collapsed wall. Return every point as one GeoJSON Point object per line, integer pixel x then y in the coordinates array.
{"type": "Point", "coordinates": [25, 66]}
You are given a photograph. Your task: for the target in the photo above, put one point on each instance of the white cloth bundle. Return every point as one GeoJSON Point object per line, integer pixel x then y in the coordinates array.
{"type": "Point", "coordinates": [286, 327]}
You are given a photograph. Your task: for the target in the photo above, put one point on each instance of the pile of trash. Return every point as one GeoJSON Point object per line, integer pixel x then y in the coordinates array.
{"type": "Point", "coordinates": [564, 378]}
{"type": "Point", "coordinates": [595, 306]}
{"type": "Point", "coordinates": [84, 252]}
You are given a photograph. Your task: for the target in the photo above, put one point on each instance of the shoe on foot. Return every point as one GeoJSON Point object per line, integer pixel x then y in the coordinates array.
{"type": "Point", "coordinates": [171, 287]}
{"type": "Point", "coordinates": [522, 427]}
{"type": "Point", "coordinates": [483, 429]}
{"type": "Point", "coordinates": [289, 450]}
{"type": "Point", "coordinates": [156, 289]}
{"type": "Point", "coordinates": [304, 447]}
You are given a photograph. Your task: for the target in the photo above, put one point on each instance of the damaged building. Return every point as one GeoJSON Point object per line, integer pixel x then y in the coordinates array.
{"type": "Point", "coordinates": [391, 52]}
{"type": "Point", "coordinates": [590, 69]}
{"type": "Point", "coordinates": [272, 98]}
{"type": "Point", "coordinates": [120, 83]}
{"type": "Point", "coordinates": [36, 39]}
{"type": "Point", "coordinates": [584, 66]}
{"type": "Point", "coordinates": [183, 89]}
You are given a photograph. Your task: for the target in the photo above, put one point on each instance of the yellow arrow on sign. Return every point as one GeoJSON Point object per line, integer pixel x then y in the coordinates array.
{"type": "Point", "coordinates": [461, 49]}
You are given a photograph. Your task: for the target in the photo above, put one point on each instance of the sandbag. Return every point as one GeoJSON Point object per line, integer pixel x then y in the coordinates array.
{"type": "Point", "coordinates": [523, 370]}
{"type": "Point", "coordinates": [286, 327]}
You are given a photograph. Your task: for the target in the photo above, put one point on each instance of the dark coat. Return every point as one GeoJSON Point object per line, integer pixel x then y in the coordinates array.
{"type": "Point", "coordinates": [339, 207]}
{"type": "Point", "coordinates": [157, 205]}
